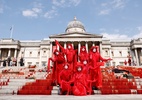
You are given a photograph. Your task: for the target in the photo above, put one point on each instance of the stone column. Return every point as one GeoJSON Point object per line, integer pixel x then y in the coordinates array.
{"type": "Point", "coordinates": [15, 53]}
{"type": "Point", "coordinates": [79, 47]}
{"type": "Point", "coordinates": [86, 45]}
{"type": "Point", "coordinates": [0, 57]}
{"type": "Point", "coordinates": [0, 53]}
{"type": "Point", "coordinates": [51, 49]}
{"type": "Point", "coordinates": [58, 48]}
{"type": "Point", "coordinates": [93, 44]}
{"type": "Point", "coordinates": [110, 56]}
{"type": "Point", "coordinates": [72, 45]}
{"type": "Point", "coordinates": [9, 53]}
{"type": "Point", "coordinates": [65, 45]}
{"type": "Point", "coordinates": [40, 57]}
{"type": "Point", "coordinates": [100, 45]}
{"type": "Point", "coordinates": [137, 60]}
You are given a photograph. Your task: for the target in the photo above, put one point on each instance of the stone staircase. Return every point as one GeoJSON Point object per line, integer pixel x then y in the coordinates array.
{"type": "Point", "coordinates": [14, 85]}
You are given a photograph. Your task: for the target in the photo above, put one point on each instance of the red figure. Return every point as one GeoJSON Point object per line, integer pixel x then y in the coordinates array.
{"type": "Point", "coordinates": [59, 61]}
{"type": "Point", "coordinates": [70, 54]}
{"type": "Point", "coordinates": [129, 61]}
{"type": "Point", "coordinates": [96, 61]}
{"type": "Point", "coordinates": [80, 81]}
{"type": "Point", "coordinates": [83, 56]}
{"type": "Point", "coordinates": [65, 79]}
{"type": "Point", "coordinates": [125, 62]}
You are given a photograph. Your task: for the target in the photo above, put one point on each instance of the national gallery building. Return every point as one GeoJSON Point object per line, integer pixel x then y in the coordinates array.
{"type": "Point", "coordinates": [38, 52]}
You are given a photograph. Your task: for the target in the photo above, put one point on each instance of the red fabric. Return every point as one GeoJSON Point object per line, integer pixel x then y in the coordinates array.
{"type": "Point", "coordinates": [59, 61]}
{"type": "Point", "coordinates": [70, 54]}
{"type": "Point", "coordinates": [95, 62]}
{"type": "Point", "coordinates": [80, 82]}
{"type": "Point", "coordinates": [65, 79]}
{"type": "Point", "coordinates": [83, 56]}
{"type": "Point", "coordinates": [125, 62]}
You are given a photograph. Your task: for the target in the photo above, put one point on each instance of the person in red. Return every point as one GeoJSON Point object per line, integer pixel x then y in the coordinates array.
{"type": "Point", "coordinates": [70, 54]}
{"type": "Point", "coordinates": [65, 78]}
{"type": "Point", "coordinates": [95, 61]}
{"type": "Point", "coordinates": [129, 61]}
{"type": "Point", "coordinates": [59, 61]}
{"type": "Point", "coordinates": [125, 62]}
{"type": "Point", "coordinates": [80, 87]}
{"type": "Point", "coordinates": [83, 55]}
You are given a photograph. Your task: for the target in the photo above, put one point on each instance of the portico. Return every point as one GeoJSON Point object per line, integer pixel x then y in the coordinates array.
{"type": "Point", "coordinates": [9, 48]}
{"type": "Point", "coordinates": [76, 35]}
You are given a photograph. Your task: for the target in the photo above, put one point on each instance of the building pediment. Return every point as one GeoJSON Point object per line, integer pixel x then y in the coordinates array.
{"type": "Point", "coordinates": [76, 35]}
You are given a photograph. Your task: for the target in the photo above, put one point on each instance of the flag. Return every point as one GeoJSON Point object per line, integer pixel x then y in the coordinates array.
{"type": "Point", "coordinates": [11, 31]}
{"type": "Point", "coordinates": [11, 28]}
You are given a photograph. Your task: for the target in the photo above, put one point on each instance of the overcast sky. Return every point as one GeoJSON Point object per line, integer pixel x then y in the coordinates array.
{"type": "Point", "coordinates": [38, 19]}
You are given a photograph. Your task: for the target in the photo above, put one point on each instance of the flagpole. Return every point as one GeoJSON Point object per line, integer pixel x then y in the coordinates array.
{"type": "Point", "coordinates": [11, 31]}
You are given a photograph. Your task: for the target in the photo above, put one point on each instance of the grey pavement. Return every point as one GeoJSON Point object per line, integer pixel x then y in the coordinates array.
{"type": "Point", "coordinates": [59, 97]}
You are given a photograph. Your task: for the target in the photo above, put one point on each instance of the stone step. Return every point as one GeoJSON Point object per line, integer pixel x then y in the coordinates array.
{"type": "Point", "coordinates": [97, 92]}
{"type": "Point", "coordinates": [55, 90]}
{"type": "Point", "coordinates": [14, 85]}
{"type": "Point", "coordinates": [8, 91]}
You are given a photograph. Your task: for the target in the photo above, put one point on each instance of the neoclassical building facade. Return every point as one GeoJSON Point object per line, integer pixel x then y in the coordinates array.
{"type": "Point", "coordinates": [38, 52]}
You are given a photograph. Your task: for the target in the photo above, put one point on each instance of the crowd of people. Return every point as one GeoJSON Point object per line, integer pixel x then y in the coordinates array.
{"type": "Point", "coordinates": [76, 73]}
{"type": "Point", "coordinates": [122, 73]}
{"type": "Point", "coordinates": [12, 62]}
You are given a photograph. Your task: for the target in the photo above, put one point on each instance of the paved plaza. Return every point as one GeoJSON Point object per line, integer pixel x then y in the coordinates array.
{"type": "Point", "coordinates": [58, 97]}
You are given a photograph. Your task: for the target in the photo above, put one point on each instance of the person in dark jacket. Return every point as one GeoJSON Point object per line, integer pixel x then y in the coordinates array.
{"type": "Point", "coordinates": [4, 63]}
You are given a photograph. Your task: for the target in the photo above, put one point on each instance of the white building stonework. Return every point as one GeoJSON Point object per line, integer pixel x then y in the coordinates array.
{"type": "Point", "coordinates": [38, 52]}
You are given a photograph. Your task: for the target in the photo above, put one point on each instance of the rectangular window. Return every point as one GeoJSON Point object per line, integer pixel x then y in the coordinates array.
{"type": "Point", "coordinates": [121, 63]}
{"type": "Point", "coordinates": [44, 64]}
{"type": "Point", "coordinates": [29, 63]}
{"type": "Point", "coordinates": [30, 54]}
{"type": "Point", "coordinates": [120, 53]}
{"type": "Point", "coordinates": [113, 63]}
{"type": "Point", "coordinates": [112, 53]}
{"type": "Point", "coordinates": [44, 53]}
{"type": "Point", "coordinates": [38, 54]}
{"type": "Point", "coordinates": [106, 52]}
{"type": "Point", "coordinates": [37, 63]}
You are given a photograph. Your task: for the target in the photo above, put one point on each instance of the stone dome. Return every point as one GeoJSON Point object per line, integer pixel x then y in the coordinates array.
{"type": "Point", "coordinates": [75, 26]}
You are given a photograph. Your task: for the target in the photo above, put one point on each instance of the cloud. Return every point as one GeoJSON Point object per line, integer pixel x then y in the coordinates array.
{"type": "Point", "coordinates": [117, 4]}
{"type": "Point", "coordinates": [104, 12]}
{"type": "Point", "coordinates": [50, 14]}
{"type": "Point", "coordinates": [66, 3]}
{"type": "Point", "coordinates": [115, 36]}
{"type": "Point", "coordinates": [38, 11]}
{"type": "Point", "coordinates": [139, 35]}
{"type": "Point", "coordinates": [118, 36]}
{"type": "Point", "coordinates": [34, 12]}
{"type": "Point", "coordinates": [108, 7]}
{"type": "Point", "coordinates": [38, 8]}
{"type": "Point", "coordinates": [1, 9]}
